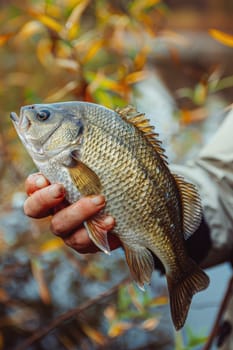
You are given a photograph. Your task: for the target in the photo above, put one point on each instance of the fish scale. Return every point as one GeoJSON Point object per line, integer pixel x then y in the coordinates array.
{"type": "Point", "coordinates": [91, 150]}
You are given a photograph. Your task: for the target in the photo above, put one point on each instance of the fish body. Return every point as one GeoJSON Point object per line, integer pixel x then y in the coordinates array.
{"type": "Point", "coordinates": [91, 149]}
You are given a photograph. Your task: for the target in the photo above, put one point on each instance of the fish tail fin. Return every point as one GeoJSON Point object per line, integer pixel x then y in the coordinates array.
{"type": "Point", "coordinates": [181, 292]}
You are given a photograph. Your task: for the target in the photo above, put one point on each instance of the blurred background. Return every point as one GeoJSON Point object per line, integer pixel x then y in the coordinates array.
{"type": "Point", "coordinates": [173, 61]}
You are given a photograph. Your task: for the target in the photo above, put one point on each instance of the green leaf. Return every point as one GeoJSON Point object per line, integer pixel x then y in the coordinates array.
{"type": "Point", "coordinates": [179, 341]}
{"type": "Point", "coordinates": [124, 299]}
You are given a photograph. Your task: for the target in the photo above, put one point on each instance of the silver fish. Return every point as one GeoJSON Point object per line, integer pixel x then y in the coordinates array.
{"type": "Point", "coordinates": [91, 149]}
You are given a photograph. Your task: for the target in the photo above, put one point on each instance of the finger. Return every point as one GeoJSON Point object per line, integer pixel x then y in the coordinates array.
{"type": "Point", "coordinates": [69, 219]}
{"type": "Point", "coordinates": [81, 242]}
{"type": "Point", "coordinates": [41, 202]}
{"type": "Point", "coordinates": [35, 182]}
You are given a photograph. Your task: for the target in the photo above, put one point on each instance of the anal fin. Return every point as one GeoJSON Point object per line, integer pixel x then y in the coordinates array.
{"type": "Point", "coordinates": [141, 264]}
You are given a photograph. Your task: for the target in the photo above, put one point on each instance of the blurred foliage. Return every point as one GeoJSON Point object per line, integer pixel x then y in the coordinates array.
{"type": "Point", "coordinates": [133, 309]}
{"type": "Point", "coordinates": [224, 38]}
{"type": "Point", "coordinates": [71, 50]}
{"type": "Point", "coordinates": [192, 341]}
{"type": "Point", "coordinates": [84, 48]}
{"type": "Point", "coordinates": [76, 50]}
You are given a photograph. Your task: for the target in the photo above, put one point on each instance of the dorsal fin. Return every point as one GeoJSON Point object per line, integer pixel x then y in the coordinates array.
{"type": "Point", "coordinates": [132, 116]}
{"type": "Point", "coordinates": [191, 204]}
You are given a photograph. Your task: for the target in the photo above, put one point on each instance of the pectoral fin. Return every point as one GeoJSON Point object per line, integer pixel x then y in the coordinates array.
{"type": "Point", "coordinates": [97, 232]}
{"type": "Point", "coordinates": [88, 183]}
{"type": "Point", "coordinates": [84, 178]}
{"type": "Point", "coordinates": [141, 264]}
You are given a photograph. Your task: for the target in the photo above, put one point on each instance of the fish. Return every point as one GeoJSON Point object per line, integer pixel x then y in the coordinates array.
{"type": "Point", "coordinates": [91, 150]}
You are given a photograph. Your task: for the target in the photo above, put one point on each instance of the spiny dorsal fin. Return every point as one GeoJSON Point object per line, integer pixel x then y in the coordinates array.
{"type": "Point", "coordinates": [132, 116]}
{"type": "Point", "coordinates": [191, 204]}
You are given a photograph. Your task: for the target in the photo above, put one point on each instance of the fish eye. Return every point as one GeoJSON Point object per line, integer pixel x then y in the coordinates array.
{"type": "Point", "coordinates": [43, 115]}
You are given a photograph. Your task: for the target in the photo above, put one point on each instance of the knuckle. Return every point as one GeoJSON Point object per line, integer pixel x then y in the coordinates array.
{"type": "Point", "coordinates": [40, 198]}
{"type": "Point", "coordinates": [55, 226]}
{"type": "Point", "coordinates": [76, 242]}
{"type": "Point", "coordinates": [27, 209]}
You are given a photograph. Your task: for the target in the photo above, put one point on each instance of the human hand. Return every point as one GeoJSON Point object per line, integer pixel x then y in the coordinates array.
{"type": "Point", "coordinates": [67, 219]}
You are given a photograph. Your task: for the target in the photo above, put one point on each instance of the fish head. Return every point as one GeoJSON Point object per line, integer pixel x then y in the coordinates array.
{"type": "Point", "coordinates": [48, 129]}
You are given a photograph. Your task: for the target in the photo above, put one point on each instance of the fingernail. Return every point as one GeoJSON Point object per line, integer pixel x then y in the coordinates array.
{"type": "Point", "coordinates": [40, 181]}
{"type": "Point", "coordinates": [98, 200]}
{"type": "Point", "coordinates": [109, 221]}
{"type": "Point", "coordinates": [57, 191]}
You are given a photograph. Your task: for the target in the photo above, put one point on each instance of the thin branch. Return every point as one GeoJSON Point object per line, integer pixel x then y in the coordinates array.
{"type": "Point", "coordinates": [221, 311]}
{"type": "Point", "coordinates": [69, 314]}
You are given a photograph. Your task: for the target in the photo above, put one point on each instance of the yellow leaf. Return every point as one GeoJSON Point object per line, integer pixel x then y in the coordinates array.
{"type": "Point", "coordinates": [17, 79]}
{"type": "Point", "coordinates": [139, 6]}
{"type": "Point", "coordinates": [29, 29]}
{"type": "Point", "coordinates": [66, 341]}
{"type": "Point", "coordinates": [102, 97]}
{"type": "Point", "coordinates": [135, 299]}
{"type": "Point", "coordinates": [59, 94]}
{"type": "Point", "coordinates": [149, 3]}
{"type": "Point", "coordinates": [49, 22]}
{"type": "Point", "coordinates": [94, 335]}
{"type": "Point", "coordinates": [224, 38]}
{"type": "Point", "coordinates": [101, 81]}
{"type": "Point", "coordinates": [44, 52]}
{"type": "Point", "coordinates": [54, 10]}
{"type": "Point", "coordinates": [200, 93]}
{"type": "Point", "coordinates": [141, 58]}
{"type": "Point", "coordinates": [51, 245]}
{"type": "Point", "coordinates": [161, 300]}
{"type": "Point", "coordinates": [110, 312]}
{"type": "Point", "coordinates": [67, 63]}
{"type": "Point", "coordinates": [135, 77]}
{"type": "Point", "coordinates": [93, 50]}
{"type": "Point", "coordinates": [150, 324]}
{"type": "Point", "coordinates": [119, 328]}
{"type": "Point", "coordinates": [76, 14]}
{"type": "Point", "coordinates": [5, 37]}
{"type": "Point", "coordinates": [38, 274]}
{"type": "Point", "coordinates": [193, 116]}
{"type": "Point", "coordinates": [73, 32]}
{"type": "Point", "coordinates": [110, 85]}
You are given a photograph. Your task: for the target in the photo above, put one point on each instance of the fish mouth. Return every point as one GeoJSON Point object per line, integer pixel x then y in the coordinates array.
{"type": "Point", "coordinates": [14, 117]}
{"type": "Point", "coordinates": [37, 149]}
{"type": "Point", "coordinates": [21, 124]}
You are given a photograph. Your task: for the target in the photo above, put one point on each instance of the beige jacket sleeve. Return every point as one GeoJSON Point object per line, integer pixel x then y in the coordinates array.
{"type": "Point", "coordinates": [212, 172]}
